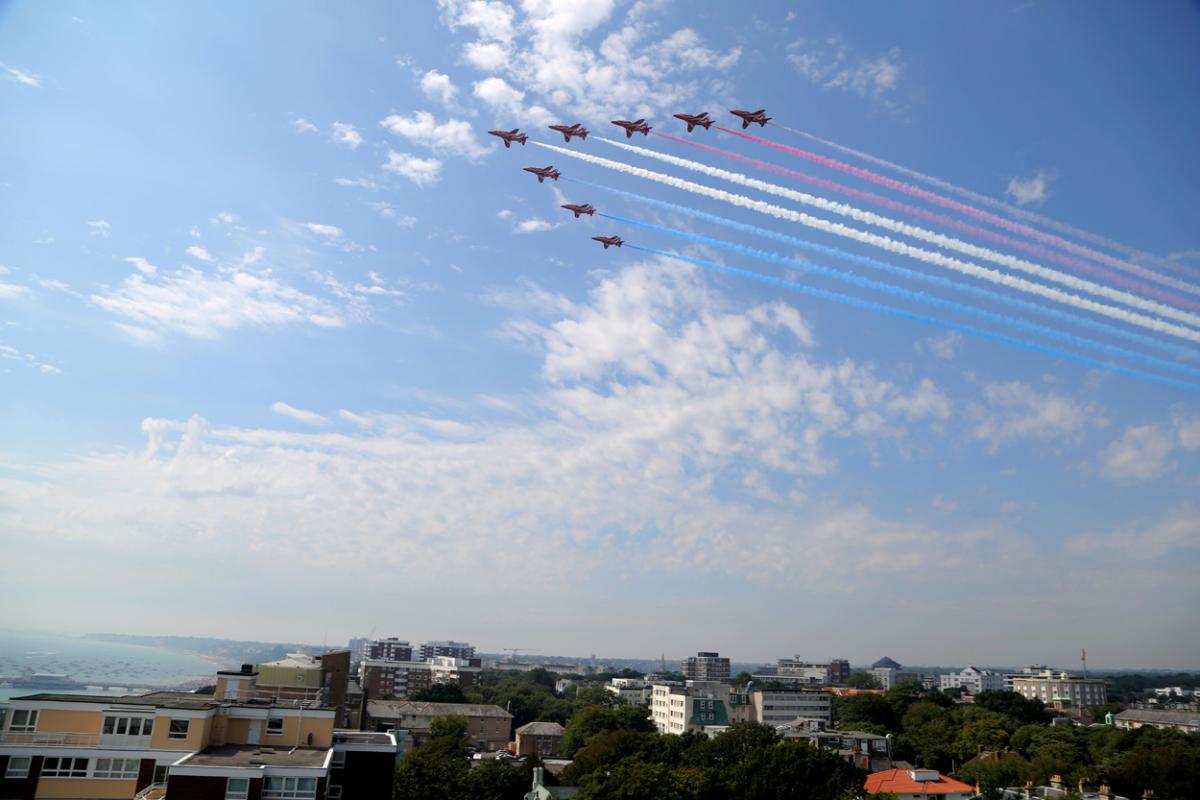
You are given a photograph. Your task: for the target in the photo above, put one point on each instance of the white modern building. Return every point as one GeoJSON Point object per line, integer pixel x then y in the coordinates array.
{"type": "Point", "coordinates": [1061, 689]}
{"type": "Point", "coordinates": [973, 680]}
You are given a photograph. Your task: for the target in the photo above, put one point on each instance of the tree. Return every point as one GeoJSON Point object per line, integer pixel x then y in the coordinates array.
{"type": "Point", "coordinates": [597, 696]}
{"type": "Point", "coordinates": [440, 693]}
{"type": "Point", "coordinates": [1024, 711]}
{"type": "Point", "coordinates": [590, 720]}
{"type": "Point", "coordinates": [792, 770]}
{"type": "Point", "coordinates": [742, 678]}
{"type": "Point", "coordinates": [871, 708]}
{"type": "Point", "coordinates": [863, 680]}
{"type": "Point", "coordinates": [497, 780]}
{"type": "Point", "coordinates": [448, 726]}
{"type": "Point", "coordinates": [978, 735]}
{"type": "Point", "coordinates": [435, 770]}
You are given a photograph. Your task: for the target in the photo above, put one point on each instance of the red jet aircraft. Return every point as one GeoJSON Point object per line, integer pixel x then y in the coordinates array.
{"type": "Point", "coordinates": [638, 126]}
{"type": "Point", "coordinates": [543, 173]}
{"type": "Point", "coordinates": [607, 240]}
{"type": "Point", "coordinates": [510, 136]}
{"type": "Point", "coordinates": [571, 130]}
{"type": "Point", "coordinates": [586, 208]}
{"type": "Point", "coordinates": [747, 117]}
{"type": "Point", "coordinates": [693, 120]}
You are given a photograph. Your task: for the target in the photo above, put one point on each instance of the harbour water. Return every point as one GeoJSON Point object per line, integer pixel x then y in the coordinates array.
{"type": "Point", "coordinates": [107, 667]}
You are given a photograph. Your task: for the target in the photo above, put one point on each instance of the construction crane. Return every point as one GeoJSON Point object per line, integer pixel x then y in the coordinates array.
{"type": "Point", "coordinates": [512, 651]}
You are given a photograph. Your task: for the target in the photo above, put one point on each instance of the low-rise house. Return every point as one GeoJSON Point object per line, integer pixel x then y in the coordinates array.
{"type": "Point", "coordinates": [973, 680]}
{"type": "Point", "coordinates": [869, 751]}
{"type": "Point", "coordinates": [488, 727]}
{"type": "Point", "coordinates": [539, 738]}
{"type": "Point", "coordinates": [918, 784]}
{"type": "Point", "coordinates": [1186, 721]}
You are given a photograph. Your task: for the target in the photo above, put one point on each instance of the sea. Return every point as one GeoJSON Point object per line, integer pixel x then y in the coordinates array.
{"type": "Point", "coordinates": [107, 667]}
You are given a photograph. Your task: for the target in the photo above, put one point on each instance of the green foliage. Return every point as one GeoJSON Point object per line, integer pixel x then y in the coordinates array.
{"type": "Point", "coordinates": [448, 726]}
{"type": "Point", "coordinates": [863, 680]}
{"type": "Point", "coordinates": [993, 776]}
{"type": "Point", "coordinates": [979, 735]}
{"type": "Point", "coordinates": [872, 709]}
{"type": "Point", "coordinates": [1025, 711]}
{"type": "Point", "coordinates": [590, 720]}
{"type": "Point", "coordinates": [440, 693]}
{"type": "Point", "coordinates": [435, 770]}
{"type": "Point", "coordinates": [742, 678]}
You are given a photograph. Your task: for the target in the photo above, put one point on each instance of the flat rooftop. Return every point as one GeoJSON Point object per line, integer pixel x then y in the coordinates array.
{"type": "Point", "coordinates": [234, 755]}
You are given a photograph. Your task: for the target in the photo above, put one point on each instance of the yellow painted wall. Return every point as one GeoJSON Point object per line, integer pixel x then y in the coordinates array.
{"type": "Point", "coordinates": [51, 720]}
{"type": "Point", "coordinates": [320, 728]}
{"type": "Point", "coordinates": [85, 788]}
{"type": "Point", "coordinates": [197, 737]}
{"type": "Point", "coordinates": [307, 677]}
{"type": "Point", "coordinates": [237, 731]}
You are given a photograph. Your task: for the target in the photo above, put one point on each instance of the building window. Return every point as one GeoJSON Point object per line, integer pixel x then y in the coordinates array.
{"type": "Point", "coordinates": [333, 792]}
{"type": "Point", "coordinates": [275, 726]}
{"type": "Point", "coordinates": [55, 767]}
{"type": "Point", "coordinates": [160, 773]}
{"type": "Point", "coordinates": [120, 768]}
{"type": "Point", "coordinates": [237, 788]}
{"type": "Point", "coordinates": [128, 726]}
{"type": "Point", "coordinates": [339, 759]}
{"type": "Point", "coordinates": [289, 788]}
{"type": "Point", "coordinates": [23, 719]}
{"type": "Point", "coordinates": [18, 767]}
{"type": "Point", "coordinates": [178, 729]}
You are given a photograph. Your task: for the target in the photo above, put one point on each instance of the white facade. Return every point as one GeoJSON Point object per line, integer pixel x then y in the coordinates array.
{"type": "Point", "coordinates": [974, 680]}
{"type": "Point", "coordinates": [890, 678]}
{"type": "Point", "coordinates": [1061, 687]}
{"type": "Point", "coordinates": [776, 707]}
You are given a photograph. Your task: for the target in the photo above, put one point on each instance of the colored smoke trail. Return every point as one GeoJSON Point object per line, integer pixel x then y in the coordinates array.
{"type": "Point", "coordinates": [970, 211]}
{"type": "Point", "coordinates": [995, 205]}
{"type": "Point", "coordinates": [883, 242]}
{"type": "Point", "coordinates": [983, 293]}
{"type": "Point", "coordinates": [969, 330]}
{"type": "Point", "coordinates": [909, 294]}
{"type": "Point", "coordinates": [939, 219]}
{"type": "Point", "coordinates": [938, 239]}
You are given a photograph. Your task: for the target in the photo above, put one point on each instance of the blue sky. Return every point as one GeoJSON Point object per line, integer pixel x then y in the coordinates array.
{"type": "Point", "coordinates": [283, 329]}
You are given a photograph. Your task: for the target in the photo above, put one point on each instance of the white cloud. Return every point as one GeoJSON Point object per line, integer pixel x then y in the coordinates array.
{"type": "Point", "coordinates": [533, 225]}
{"type": "Point", "coordinates": [388, 211]}
{"type": "Point", "coordinates": [438, 86]}
{"type": "Point", "coordinates": [206, 305]}
{"type": "Point", "coordinates": [298, 414]}
{"type": "Point", "coordinates": [1184, 255]}
{"type": "Point", "coordinates": [194, 232]}
{"type": "Point", "coordinates": [358, 419]}
{"type": "Point", "coordinates": [100, 227]}
{"type": "Point", "coordinates": [504, 213]}
{"type": "Point", "coordinates": [361, 183]}
{"type": "Point", "coordinates": [197, 252]}
{"type": "Point", "coordinates": [1140, 454]}
{"type": "Point", "coordinates": [304, 126]}
{"type": "Point", "coordinates": [328, 231]}
{"type": "Point", "coordinates": [833, 66]}
{"type": "Point", "coordinates": [945, 346]}
{"type": "Point", "coordinates": [548, 53]}
{"type": "Point", "coordinates": [1032, 191]}
{"type": "Point", "coordinates": [225, 218]}
{"type": "Point", "coordinates": [21, 77]}
{"type": "Point", "coordinates": [1015, 410]}
{"type": "Point", "coordinates": [421, 171]}
{"type": "Point", "coordinates": [10, 290]}
{"type": "Point", "coordinates": [143, 266]}
{"type": "Point", "coordinates": [453, 137]}
{"type": "Point", "coordinates": [49, 369]}
{"type": "Point", "coordinates": [344, 133]}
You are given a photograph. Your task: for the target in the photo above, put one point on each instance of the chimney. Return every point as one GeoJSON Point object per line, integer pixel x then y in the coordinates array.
{"type": "Point", "coordinates": [537, 777]}
{"type": "Point", "coordinates": [1056, 782]}
{"type": "Point", "coordinates": [1104, 792]}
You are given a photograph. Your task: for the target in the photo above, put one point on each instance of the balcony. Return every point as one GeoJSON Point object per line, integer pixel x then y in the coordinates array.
{"type": "Point", "coordinates": [48, 739]}
{"type": "Point", "coordinates": [155, 791]}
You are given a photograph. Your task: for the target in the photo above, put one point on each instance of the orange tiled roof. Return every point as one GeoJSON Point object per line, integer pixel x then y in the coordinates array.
{"type": "Point", "coordinates": [898, 782]}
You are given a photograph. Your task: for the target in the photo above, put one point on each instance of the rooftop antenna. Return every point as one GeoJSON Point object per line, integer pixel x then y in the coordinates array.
{"type": "Point", "coordinates": [1083, 658]}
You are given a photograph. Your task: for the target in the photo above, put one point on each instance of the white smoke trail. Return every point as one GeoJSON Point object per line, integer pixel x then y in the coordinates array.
{"type": "Point", "coordinates": [891, 245]}
{"type": "Point", "coordinates": [922, 234]}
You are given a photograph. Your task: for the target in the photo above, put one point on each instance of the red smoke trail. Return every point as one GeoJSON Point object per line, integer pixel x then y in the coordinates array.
{"type": "Point", "coordinates": [939, 219]}
{"type": "Point", "coordinates": [996, 205]}
{"type": "Point", "coordinates": [970, 211]}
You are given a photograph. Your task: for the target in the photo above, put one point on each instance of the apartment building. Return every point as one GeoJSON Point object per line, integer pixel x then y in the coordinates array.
{"type": "Point", "coordinates": [1133, 718]}
{"type": "Point", "coordinates": [384, 679]}
{"type": "Point", "coordinates": [891, 674]}
{"type": "Point", "coordinates": [698, 706]}
{"type": "Point", "coordinates": [488, 727]}
{"type": "Point", "coordinates": [298, 676]}
{"type": "Point", "coordinates": [447, 649]}
{"type": "Point", "coordinates": [540, 738]}
{"type": "Point", "coordinates": [836, 671]}
{"type": "Point", "coordinates": [389, 649]}
{"type": "Point", "coordinates": [705, 666]}
{"type": "Point", "coordinates": [973, 680]}
{"type": "Point", "coordinates": [1061, 689]}
{"type": "Point", "coordinates": [782, 706]}
{"type": "Point", "coordinates": [233, 745]}
{"type": "Point", "coordinates": [634, 691]}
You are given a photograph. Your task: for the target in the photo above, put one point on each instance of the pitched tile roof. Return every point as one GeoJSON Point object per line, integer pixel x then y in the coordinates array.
{"type": "Point", "coordinates": [898, 781]}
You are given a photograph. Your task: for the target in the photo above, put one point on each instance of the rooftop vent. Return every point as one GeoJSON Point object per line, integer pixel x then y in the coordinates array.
{"type": "Point", "coordinates": [922, 775]}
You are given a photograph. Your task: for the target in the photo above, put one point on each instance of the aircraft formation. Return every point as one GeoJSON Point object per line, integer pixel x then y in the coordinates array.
{"type": "Point", "coordinates": [630, 127]}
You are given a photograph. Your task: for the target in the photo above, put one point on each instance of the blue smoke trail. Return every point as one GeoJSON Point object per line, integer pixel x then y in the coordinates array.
{"type": "Point", "coordinates": [909, 294]}
{"type": "Point", "coordinates": [872, 263]}
{"type": "Point", "coordinates": [970, 330]}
